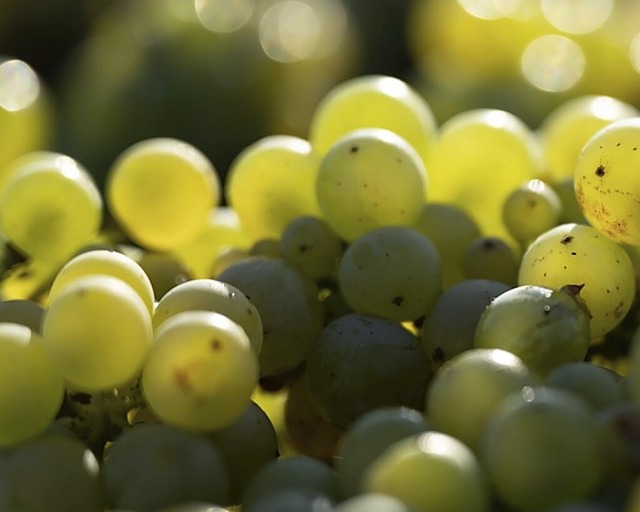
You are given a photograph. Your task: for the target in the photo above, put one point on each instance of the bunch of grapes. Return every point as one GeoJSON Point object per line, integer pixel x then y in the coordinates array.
{"type": "Point", "coordinates": [390, 314]}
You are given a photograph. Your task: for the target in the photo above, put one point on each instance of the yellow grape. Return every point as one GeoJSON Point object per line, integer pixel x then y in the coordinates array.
{"type": "Point", "coordinates": [160, 191]}
{"type": "Point", "coordinates": [607, 182]}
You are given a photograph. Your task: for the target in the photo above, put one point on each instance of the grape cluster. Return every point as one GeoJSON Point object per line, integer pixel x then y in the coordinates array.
{"type": "Point", "coordinates": [389, 316]}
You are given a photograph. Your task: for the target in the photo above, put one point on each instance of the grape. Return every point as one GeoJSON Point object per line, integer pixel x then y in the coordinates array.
{"type": "Point", "coordinates": [531, 209]}
{"type": "Point", "coordinates": [51, 472]}
{"type": "Point", "coordinates": [450, 326]}
{"type": "Point", "coordinates": [11, 168]}
{"type": "Point", "coordinates": [430, 471]}
{"type": "Point", "coordinates": [200, 371]}
{"type": "Point", "coordinates": [359, 363]}
{"type": "Point", "coordinates": [160, 191]}
{"type": "Point", "coordinates": [465, 392]}
{"type": "Point", "coordinates": [542, 449]}
{"type": "Point", "coordinates": [605, 180]}
{"type": "Point", "coordinates": [278, 173]}
{"type": "Point", "coordinates": [370, 178]}
{"type": "Point", "coordinates": [478, 158]}
{"type": "Point", "coordinates": [265, 247]}
{"type": "Point", "coordinates": [368, 502]}
{"type": "Point", "coordinates": [50, 208]}
{"type": "Point", "coordinates": [222, 230]}
{"type": "Point", "coordinates": [26, 117]}
{"type": "Point", "coordinates": [312, 246]}
{"type": "Point", "coordinates": [291, 500]}
{"type": "Point", "coordinates": [105, 262]}
{"type": "Point", "coordinates": [373, 101]}
{"type": "Point", "coordinates": [226, 258]}
{"type": "Point", "coordinates": [598, 386]}
{"type": "Point", "coordinates": [392, 272]}
{"type": "Point", "coordinates": [544, 327]}
{"type": "Point", "coordinates": [289, 308]}
{"type": "Point", "coordinates": [98, 332]}
{"type": "Point", "coordinates": [567, 128]}
{"type": "Point", "coordinates": [153, 466]}
{"type": "Point", "coordinates": [164, 271]}
{"type": "Point", "coordinates": [246, 445]}
{"type": "Point", "coordinates": [492, 258]}
{"type": "Point", "coordinates": [212, 295]}
{"type": "Point", "coordinates": [294, 473]}
{"type": "Point", "coordinates": [451, 230]}
{"type": "Point", "coordinates": [23, 311]}
{"type": "Point", "coordinates": [571, 211]}
{"type": "Point", "coordinates": [31, 388]}
{"type": "Point", "coordinates": [367, 438]}
{"type": "Point", "coordinates": [579, 254]}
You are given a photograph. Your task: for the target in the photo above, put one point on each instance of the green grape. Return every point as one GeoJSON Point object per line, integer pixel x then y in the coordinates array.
{"type": "Point", "coordinates": [50, 208]}
{"type": "Point", "coordinates": [544, 327]}
{"type": "Point", "coordinates": [542, 449]}
{"type": "Point", "coordinates": [567, 128]}
{"type": "Point", "coordinates": [478, 158]}
{"type": "Point", "coordinates": [606, 185]}
{"type": "Point", "coordinates": [222, 230]}
{"type": "Point", "coordinates": [51, 472]}
{"type": "Point", "coordinates": [293, 473]}
{"type": "Point", "coordinates": [598, 386]}
{"type": "Point", "coordinates": [105, 262]}
{"type": "Point", "coordinates": [153, 466]}
{"type": "Point", "coordinates": [450, 326]}
{"type": "Point", "coordinates": [392, 272]}
{"type": "Point", "coordinates": [23, 311]}
{"type": "Point", "coordinates": [211, 295]}
{"type": "Point", "coordinates": [31, 387]}
{"type": "Point", "coordinates": [278, 173]}
{"type": "Point", "coordinates": [307, 431]}
{"type": "Point", "coordinates": [246, 445]}
{"type": "Point", "coordinates": [359, 363]}
{"type": "Point", "coordinates": [430, 471]}
{"type": "Point", "coordinates": [373, 101]}
{"type": "Point", "coordinates": [370, 177]}
{"type": "Point", "coordinates": [98, 332]}
{"type": "Point", "coordinates": [200, 371]}
{"type": "Point", "coordinates": [289, 308]}
{"type": "Point", "coordinates": [466, 391]}
{"type": "Point", "coordinates": [570, 211]}
{"type": "Point", "coordinates": [579, 254]}
{"type": "Point", "coordinates": [26, 117]}
{"type": "Point", "coordinates": [164, 270]}
{"type": "Point", "coordinates": [492, 258]}
{"type": "Point", "coordinates": [291, 500]}
{"type": "Point", "coordinates": [265, 247]}
{"type": "Point", "coordinates": [367, 438]}
{"type": "Point", "coordinates": [531, 209]}
{"type": "Point", "coordinates": [227, 257]}
{"type": "Point", "coordinates": [160, 191]}
{"type": "Point", "coordinates": [11, 168]}
{"type": "Point", "coordinates": [371, 501]}
{"type": "Point", "coordinates": [451, 230]}
{"type": "Point", "coordinates": [311, 245]}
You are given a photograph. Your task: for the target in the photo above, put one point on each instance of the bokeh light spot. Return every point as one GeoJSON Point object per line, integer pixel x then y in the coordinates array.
{"type": "Point", "coordinates": [553, 63]}
{"type": "Point", "coordinates": [224, 16]}
{"type": "Point", "coordinates": [19, 85]}
{"type": "Point", "coordinates": [577, 16]}
{"type": "Point", "coordinates": [490, 9]}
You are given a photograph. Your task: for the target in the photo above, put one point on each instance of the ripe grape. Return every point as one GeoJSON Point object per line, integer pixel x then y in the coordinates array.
{"type": "Point", "coordinates": [492, 258]}
{"type": "Point", "coordinates": [370, 178]}
{"type": "Point", "coordinates": [544, 327]}
{"type": "Point", "coordinates": [160, 191]}
{"type": "Point", "coordinates": [392, 272]}
{"type": "Point", "coordinates": [370, 501]}
{"type": "Point", "coordinates": [200, 371]}
{"type": "Point", "coordinates": [50, 208]}
{"type": "Point", "coordinates": [606, 183]}
{"type": "Point", "coordinates": [359, 363]}
{"type": "Point", "coordinates": [542, 449]}
{"type": "Point", "coordinates": [278, 173]}
{"type": "Point", "coordinates": [580, 254]}
{"type": "Point", "coordinates": [465, 392]}
{"type": "Point", "coordinates": [373, 101]}
{"type": "Point", "coordinates": [105, 262]}
{"type": "Point", "coordinates": [211, 295]}
{"type": "Point", "coordinates": [430, 471]}
{"type": "Point", "coordinates": [31, 387]}
{"type": "Point", "coordinates": [97, 331]}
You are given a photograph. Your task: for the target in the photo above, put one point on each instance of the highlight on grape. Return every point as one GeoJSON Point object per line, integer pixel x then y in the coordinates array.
{"type": "Point", "coordinates": [396, 310]}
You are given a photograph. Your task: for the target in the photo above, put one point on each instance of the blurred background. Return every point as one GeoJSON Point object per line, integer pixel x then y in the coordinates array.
{"type": "Point", "coordinates": [90, 77]}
